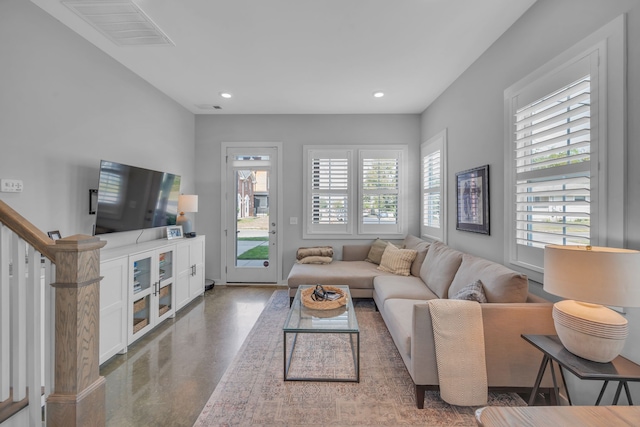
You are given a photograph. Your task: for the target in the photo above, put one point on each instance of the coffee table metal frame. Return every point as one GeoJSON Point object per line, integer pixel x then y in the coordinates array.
{"type": "Point", "coordinates": [303, 320]}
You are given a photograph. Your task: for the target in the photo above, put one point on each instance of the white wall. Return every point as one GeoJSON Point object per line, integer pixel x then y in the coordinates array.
{"type": "Point", "coordinates": [64, 105]}
{"type": "Point", "coordinates": [294, 131]}
{"type": "Point", "coordinates": [472, 110]}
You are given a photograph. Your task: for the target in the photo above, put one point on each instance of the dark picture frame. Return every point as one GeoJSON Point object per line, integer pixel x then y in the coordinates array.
{"type": "Point", "coordinates": [472, 189]}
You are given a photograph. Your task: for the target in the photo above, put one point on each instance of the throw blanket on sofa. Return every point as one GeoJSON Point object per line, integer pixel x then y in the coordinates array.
{"type": "Point", "coordinates": [460, 356]}
{"type": "Point", "coordinates": [315, 255]}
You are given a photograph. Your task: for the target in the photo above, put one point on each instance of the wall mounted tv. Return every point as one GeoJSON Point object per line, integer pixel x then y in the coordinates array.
{"type": "Point", "coordinates": [133, 198]}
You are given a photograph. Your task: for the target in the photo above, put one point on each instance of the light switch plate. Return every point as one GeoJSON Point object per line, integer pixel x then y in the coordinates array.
{"type": "Point", "coordinates": [11, 185]}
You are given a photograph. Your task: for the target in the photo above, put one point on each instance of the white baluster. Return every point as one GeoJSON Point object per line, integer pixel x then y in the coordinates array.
{"type": "Point", "coordinates": [5, 314]}
{"type": "Point", "coordinates": [34, 337]}
{"type": "Point", "coordinates": [18, 316]}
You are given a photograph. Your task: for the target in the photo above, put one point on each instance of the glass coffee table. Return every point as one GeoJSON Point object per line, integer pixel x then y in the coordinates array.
{"type": "Point", "coordinates": [302, 321]}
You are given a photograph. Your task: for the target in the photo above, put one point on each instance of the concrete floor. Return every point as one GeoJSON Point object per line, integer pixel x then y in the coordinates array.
{"type": "Point", "coordinates": [167, 376]}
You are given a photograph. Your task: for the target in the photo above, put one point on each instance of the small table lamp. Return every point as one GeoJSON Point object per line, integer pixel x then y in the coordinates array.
{"type": "Point", "coordinates": [186, 203]}
{"type": "Point", "coordinates": [591, 276]}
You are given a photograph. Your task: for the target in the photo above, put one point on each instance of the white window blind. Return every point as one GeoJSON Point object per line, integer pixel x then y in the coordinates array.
{"type": "Point", "coordinates": [433, 187]}
{"type": "Point", "coordinates": [553, 168]}
{"type": "Point", "coordinates": [380, 191]}
{"type": "Point", "coordinates": [380, 188]}
{"type": "Point", "coordinates": [431, 194]}
{"type": "Point", "coordinates": [330, 185]}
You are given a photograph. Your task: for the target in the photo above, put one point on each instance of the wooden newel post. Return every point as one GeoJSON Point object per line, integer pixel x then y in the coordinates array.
{"type": "Point", "coordinates": [78, 398]}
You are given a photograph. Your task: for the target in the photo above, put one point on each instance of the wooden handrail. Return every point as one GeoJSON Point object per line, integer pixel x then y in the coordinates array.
{"type": "Point", "coordinates": [27, 231]}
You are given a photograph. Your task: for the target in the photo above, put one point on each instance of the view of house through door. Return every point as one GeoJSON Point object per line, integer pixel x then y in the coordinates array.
{"type": "Point", "coordinates": [252, 220]}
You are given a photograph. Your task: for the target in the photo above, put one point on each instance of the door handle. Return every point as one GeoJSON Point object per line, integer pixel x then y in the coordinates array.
{"type": "Point", "coordinates": [273, 231]}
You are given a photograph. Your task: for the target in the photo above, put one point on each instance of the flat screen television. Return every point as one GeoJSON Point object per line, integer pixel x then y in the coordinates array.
{"type": "Point", "coordinates": [133, 198]}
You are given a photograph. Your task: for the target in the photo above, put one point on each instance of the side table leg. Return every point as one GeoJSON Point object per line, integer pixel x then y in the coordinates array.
{"type": "Point", "coordinates": [604, 387]}
{"type": "Point", "coordinates": [566, 389]}
{"type": "Point", "coordinates": [626, 390]}
{"type": "Point", "coordinates": [555, 382]}
{"type": "Point", "coordinates": [618, 390]}
{"type": "Point", "coordinates": [536, 386]}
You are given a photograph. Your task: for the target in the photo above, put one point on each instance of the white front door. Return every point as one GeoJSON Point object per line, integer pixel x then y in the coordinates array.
{"type": "Point", "coordinates": [251, 229]}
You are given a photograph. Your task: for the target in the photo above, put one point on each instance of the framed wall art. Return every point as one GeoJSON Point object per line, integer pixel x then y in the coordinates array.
{"type": "Point", "coordinates": [472, 188]}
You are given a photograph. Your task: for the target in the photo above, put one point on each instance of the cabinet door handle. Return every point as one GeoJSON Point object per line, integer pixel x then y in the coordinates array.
{"type": "Point", "coordinates": [193, 270]}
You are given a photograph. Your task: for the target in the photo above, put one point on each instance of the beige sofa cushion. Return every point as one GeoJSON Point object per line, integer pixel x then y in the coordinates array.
{"type": "Point", "coordinates": [421, 247]}
{"type": "Point", "coordinates": [356, 274]}
{"type": "Point", "coordinates": [397, 261]}
{"type": "Point", "coordinates": [500, 283]}
{"type": "Point", "coordinates": [439, 268]}
{"type": "Point", "coordinates": [408, 287]}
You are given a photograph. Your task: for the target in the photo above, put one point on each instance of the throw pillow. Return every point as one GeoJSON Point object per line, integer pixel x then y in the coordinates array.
{"type": "Point", "coordinates": [376, 251]}
{"type": "Point", "coordinates": [397, 261]}
{"type": "Point", "coordinates": [472, 292]}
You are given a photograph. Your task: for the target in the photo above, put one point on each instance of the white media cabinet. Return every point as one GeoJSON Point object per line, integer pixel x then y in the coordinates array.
{"type": "Point", "coordinates": [143, 285]}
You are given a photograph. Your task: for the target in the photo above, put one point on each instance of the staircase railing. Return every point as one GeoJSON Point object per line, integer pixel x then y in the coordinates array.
{"type": "Point", "coordinates": [49, 327]}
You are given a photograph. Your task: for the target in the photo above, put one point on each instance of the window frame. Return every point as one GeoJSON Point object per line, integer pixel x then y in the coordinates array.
{"type": "Point", "coordinates": [354, 226]}
{"type": "Point", "coordinates": [608, 167]}
{"type": "Point", "coordinates": [436, 143]}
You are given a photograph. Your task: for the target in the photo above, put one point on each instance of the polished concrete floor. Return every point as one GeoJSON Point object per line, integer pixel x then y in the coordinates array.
{"type": "Point", "coordinates": [167, 376]}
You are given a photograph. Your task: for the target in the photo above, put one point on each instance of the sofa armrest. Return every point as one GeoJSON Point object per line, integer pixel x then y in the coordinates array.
{"type": "Point", "coordinates": [511, 361]}
{"type": "Point", "coordinates": [355, 252]}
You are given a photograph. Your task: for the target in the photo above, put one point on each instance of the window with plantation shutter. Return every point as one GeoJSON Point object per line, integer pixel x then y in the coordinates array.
{"type": "Point", "coordinates": [433, 156]}
{"type": "Point", "coordinates": [564, 142]}
{"type": "Point", "coordinates": [354, 191]}
{"type": "Point", "coordinates": [564, 147]}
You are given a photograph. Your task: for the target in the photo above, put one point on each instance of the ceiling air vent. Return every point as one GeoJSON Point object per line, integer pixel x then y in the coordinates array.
{"type": "Point", "coordinates": [208, 107]}
{"type": "Point", "coordinates": [123, 22]}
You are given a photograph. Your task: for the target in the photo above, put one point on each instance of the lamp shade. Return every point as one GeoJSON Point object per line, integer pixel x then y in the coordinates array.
{"type": "Point", "coordinates": [188, 203]}
{"type": "Point", "coordinates": [598, 275]}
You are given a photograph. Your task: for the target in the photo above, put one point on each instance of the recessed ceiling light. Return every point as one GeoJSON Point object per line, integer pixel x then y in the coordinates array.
{"type": "Point", "coordinates": [378, 94]}
{"type": "Point", "coordinates": [225, 95]}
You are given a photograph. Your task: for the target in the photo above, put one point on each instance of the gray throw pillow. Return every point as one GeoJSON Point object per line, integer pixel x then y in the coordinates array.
{"type": "Point", "coordinates": [472, 292]}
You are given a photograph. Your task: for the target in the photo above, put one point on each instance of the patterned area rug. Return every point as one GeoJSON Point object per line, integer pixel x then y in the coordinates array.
{"type": "Point", "coordinates": [252, 390]}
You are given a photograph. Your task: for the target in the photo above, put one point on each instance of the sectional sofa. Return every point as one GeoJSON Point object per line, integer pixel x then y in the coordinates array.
{"type": "Point", "coordinates": [438, 271]}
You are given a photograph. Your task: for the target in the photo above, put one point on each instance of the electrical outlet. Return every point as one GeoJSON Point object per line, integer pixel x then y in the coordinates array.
{"type": "Point", "coordinates": [11, 185]}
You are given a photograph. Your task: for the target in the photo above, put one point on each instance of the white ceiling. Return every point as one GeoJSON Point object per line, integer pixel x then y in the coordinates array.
{"type": "Point", "coordinates": [307, 56]}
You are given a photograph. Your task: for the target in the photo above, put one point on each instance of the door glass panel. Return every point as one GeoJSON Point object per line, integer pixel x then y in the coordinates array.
{"type": "Point", "coordinates": [165, 265]}
{"type": "Point", "coordinates": [141, 313]}
{"type": "Point", "coordinates": [141, 275]}
{"type": "Point", "coordinates": [164, 303]}
{"type": "Point", "coordinates": [252, 216]}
